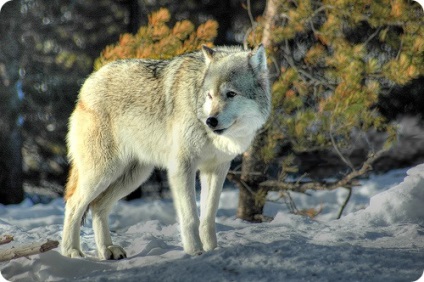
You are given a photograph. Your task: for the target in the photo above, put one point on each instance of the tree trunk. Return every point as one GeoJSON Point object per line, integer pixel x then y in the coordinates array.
{"type": "Point", "coordinates": [253, 171]}
{"type": "Point", "coordinates": [135, 16]}
{"type": "Point", "coordinates": [251, 197]}
{"type": "Point", "coordinates": [11, 174]}
{"type": "Point", "coordinates": [270, 17]}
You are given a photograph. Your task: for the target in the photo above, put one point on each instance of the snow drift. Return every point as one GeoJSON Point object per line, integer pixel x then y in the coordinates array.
{"type": "Point", "coordinates": [379, 241]}
{"type": "Point", "coordinates": [403, 203]}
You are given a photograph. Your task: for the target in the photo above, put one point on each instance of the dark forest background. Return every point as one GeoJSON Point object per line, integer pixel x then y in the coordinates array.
{"type": "Point", "coordinates": [47, 49]}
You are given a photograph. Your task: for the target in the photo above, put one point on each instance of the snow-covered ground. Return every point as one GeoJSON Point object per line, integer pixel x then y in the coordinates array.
{"type": "Point", "coordinates": [380, 238]}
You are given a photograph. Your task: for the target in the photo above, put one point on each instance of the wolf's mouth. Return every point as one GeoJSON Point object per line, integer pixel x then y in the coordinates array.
{"type": "Point", "coordinates": [219, 131]}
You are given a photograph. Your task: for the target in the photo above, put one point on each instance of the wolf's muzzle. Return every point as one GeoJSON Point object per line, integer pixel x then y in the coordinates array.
{"type": "Point", "coordinates": [212, 122]}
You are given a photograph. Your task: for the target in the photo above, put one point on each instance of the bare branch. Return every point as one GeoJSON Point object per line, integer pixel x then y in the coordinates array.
{"type": "Point", "coordinates": [345, 203]}
{"type": "Point", "coordinates": [252, 27]}
{"type": "Point", "coordinates": [235, 177]}
{"type": "Point", "coordinates": [291, 205]}
{"type": "Point", "coordinates": [373, 35]}
{"type": "Point", "coordinates": [249, 12]}
{"type": "Point", "coordinates": [239, 173]}
{"type": "Point", "coordinates": [348, 181]}
{"type": "Point", "coordinates": [336, 148]}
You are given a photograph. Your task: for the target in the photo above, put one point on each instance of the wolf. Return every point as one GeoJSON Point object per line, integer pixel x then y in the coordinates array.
{"type": "Point", "coordinates": [195, 112]}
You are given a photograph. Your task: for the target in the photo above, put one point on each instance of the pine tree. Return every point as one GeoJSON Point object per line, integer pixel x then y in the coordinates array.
{"type": "Point", "coordinates": [333, 59]}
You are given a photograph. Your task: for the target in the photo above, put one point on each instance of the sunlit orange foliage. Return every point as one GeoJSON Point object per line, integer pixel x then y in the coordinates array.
{"type": "Point", "coordinates": [157, 40]}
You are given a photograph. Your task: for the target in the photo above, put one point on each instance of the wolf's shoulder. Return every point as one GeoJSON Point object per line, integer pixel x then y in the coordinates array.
{"type": "Point", "coordinates": [157, 64]}
{"type": "Point", "coordinates": [148, 68]}
{"type": "Point", "coordinates": [150, 64]}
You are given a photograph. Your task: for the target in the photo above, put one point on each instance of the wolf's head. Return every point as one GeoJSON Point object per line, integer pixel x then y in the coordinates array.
{"type": "Point", "coordinates": [235, 96]}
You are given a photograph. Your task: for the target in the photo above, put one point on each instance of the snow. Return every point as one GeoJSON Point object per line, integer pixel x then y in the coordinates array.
{"type": "Point", "coordinates": [380, 238]}
{"type": "Point", "coordinates": [2, 2]}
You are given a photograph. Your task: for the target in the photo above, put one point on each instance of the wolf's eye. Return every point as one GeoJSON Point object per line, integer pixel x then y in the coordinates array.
{"type": "Point", "coordinates": [231, 94]}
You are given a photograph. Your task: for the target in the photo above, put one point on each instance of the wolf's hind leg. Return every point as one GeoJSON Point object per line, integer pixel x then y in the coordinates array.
{"type": "Point", "coordinates": [82, 189]}
{"type": "Point", "coordinates": [76, 206]}
{"type": "Point", "coordinates": [132, 178]}
{"type": "Point", "coordinates": [71, 229]}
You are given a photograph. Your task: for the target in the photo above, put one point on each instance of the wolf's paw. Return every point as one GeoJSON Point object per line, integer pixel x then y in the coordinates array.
{"type": "Point", "coordinates": [112, 252]}
{"type": "Point", "coordinates": [208, 237]}
{"type": "Point", "coordinates": [194, 251]}
{"type": "Point", "coordinates": [209, 246]}
{"type": "Point", "coordinates": [73, 253]}
{"type": "Point", "coordinates": [198, 253]}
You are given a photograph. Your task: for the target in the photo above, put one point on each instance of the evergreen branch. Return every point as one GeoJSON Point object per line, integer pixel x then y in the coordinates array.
{"type": "Point", "coordinates": [317, 11]}
{"type": "Point", "coordinates": [288, 57]}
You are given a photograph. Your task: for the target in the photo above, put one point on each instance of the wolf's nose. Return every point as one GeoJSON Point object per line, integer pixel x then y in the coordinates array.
{"type": "Point", "coordinates": [212, 122]}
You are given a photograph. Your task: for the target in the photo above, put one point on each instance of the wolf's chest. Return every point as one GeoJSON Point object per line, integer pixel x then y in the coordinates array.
{"type": "Point", "coordinates": [223, 149]}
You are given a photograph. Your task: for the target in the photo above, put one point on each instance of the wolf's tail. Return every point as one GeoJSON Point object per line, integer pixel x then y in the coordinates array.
{"type": "Point", "coordinates": [72, 183]}
{"type": "Point", "coordinates": [71, 186]}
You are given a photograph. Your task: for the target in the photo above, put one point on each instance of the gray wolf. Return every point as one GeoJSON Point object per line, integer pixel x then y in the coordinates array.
{"type": "Point", "coordinates": [195, 112]}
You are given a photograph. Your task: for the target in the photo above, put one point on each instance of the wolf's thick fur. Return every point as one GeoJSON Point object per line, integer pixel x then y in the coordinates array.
{"type": "Point", "coordinates": [194, 112]}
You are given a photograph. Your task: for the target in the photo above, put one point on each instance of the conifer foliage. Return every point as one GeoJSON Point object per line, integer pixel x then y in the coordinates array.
{"type": "Point", "coordinates": [332, 59]}
{"type": "Point", "coordinates": [157, 40]}
{"type": "Point", "coordinates": [336, 58]}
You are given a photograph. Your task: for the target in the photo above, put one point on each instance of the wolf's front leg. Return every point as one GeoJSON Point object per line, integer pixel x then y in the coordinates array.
{"type": "Point", "coordinates": [212, 180]}
{"type": "Point", "coordinates": [181, 178]}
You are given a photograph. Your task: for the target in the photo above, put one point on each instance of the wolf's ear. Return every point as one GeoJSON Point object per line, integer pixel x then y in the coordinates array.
{"type": "Point", "coordinates": [257, 59]}
{"type": "Point", "coordinates": [208, 53]}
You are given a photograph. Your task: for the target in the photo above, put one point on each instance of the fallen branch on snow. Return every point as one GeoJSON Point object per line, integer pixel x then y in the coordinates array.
{"type": "Point", "coordinates": [6, 239]}
{"type": "Point", "coordinates": [24, 251]}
